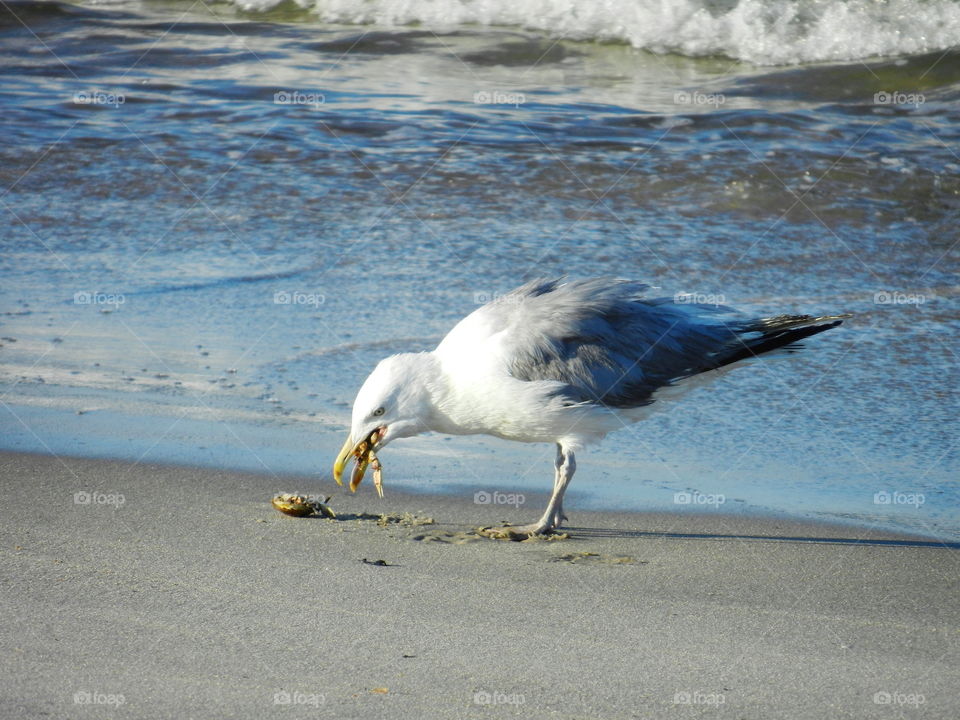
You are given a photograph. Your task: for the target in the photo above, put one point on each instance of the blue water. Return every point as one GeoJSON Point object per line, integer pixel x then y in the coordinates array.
{"type": "Point", "coordinates": [218, 220]}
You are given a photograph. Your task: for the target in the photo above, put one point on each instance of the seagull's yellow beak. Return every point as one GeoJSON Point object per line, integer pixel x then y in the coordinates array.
{"type": "Point", "coordinates": [361, 451]}
{"type": "Point", "coordinates": [341, 462]}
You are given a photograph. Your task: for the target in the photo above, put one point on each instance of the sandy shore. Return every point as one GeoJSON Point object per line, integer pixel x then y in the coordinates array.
{"type": "Point", "coordinates": [194, 598]}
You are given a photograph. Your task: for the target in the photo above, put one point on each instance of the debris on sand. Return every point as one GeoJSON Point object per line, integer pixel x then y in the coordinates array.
{"type": "Point", "coordinates": [599, 558]}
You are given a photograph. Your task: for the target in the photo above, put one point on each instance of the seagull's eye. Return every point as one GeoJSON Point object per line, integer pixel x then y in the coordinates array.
{"type": "Point", "coordinates": [378, 412]}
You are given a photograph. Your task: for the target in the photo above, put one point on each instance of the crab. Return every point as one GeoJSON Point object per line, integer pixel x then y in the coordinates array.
{"type": "Point", "coordinates": [301, 506]}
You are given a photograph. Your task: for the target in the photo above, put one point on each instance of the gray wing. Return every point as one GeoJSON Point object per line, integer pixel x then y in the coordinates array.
{"type": "Point", "coordinates": [609, 344]}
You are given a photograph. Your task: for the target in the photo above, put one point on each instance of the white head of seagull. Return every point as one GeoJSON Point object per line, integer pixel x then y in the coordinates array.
{"type": "Point", "coordinates": [395, 401]}
{"type": "Point", "coordinates": [397, 396]}
{"type": "Point", "coordinates": [561, 362]}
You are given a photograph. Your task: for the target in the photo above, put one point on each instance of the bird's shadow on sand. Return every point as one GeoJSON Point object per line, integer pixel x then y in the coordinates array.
{"type": "Point", "coordinates": [589, 532]}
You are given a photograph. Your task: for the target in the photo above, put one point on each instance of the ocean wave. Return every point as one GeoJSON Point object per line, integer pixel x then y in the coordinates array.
{"type": "Point", "coordinates": [764, 32]}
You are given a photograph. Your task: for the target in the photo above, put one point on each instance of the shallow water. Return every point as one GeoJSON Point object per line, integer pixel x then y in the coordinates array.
{"type": "Point", "coordinates": [219, 220]}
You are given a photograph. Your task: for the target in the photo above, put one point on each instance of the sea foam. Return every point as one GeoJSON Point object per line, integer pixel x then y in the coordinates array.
{"type": "Point", "coordinates": [764, 32]}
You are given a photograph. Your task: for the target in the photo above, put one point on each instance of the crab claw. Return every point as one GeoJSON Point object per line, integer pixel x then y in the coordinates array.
{"type": "Point", "coordinates": [359, 470]}
{"type": "Point", "coordinates": [377, 472]}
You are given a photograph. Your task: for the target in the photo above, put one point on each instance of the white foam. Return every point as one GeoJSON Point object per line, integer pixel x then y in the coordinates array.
{"type": "Point", "coordinates": [758, 31]}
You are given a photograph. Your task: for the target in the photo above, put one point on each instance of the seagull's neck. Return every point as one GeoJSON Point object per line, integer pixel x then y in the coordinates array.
{"type": "Point", "coordinates": [443, 404]}
{"type": "Point", "coordinates": [433, 392]}
{"type": "Point", "coordinates": [456, 400]}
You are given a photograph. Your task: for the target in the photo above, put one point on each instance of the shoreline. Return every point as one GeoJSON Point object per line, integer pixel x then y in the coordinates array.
{"type": "Point", "coordinates": [193, 597]}
{"type": "Point", "coordinates": [581, 499]}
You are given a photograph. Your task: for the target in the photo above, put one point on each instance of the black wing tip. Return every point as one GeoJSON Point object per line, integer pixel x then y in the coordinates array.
{"type": "Point", "coordinates": [783, 332]}
{"type": "Point", "coordinates": [788, 322]}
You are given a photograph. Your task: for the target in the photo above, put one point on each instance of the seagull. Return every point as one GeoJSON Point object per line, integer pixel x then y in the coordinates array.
{"type": "Point", "coordinates": [559, 361]}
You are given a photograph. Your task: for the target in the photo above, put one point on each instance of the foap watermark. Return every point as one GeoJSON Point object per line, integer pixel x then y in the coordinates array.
{"type": "Point", "coordinates": [283, 697]}
{"type": "Point", "coordinates": [313, 497]}
{"type": "Point", "coordinates": [299, 97]}
{"type": "Point", "coordinates": [698, 98]}
{"type": "Point", "coordinates": [699, 498]}
{"type": "Point", "coordinates": [895, 497]}
{"type": "Point", "coordinates": [98, 298]}
{"type": "Point", "coordinates": [899, 699]}
{"type": "Point", "coordinates": [485, 697]}
{"type": "Point", "coordinates": [698, 298]}
{"type": "Point", "coordinates": [896, 97]}
{"type": "Point", "coordinates": [99, 97]}
{"type": "Point", "coordinates": [91, 697]}
{"type": "Point", "coordinates": [483, 297]}
{"type": "Point", "coordinates": [283, 297]}
{"type": "Point", "coordinates": [895, 297]}
{"type": "Point", "coordinates": [482, 497]}
{"type": "Point", "coordinates": [87, 497]}
{"type": "Point", "coordinates": [499, 97]}
{"type": "Point", "coordinates": [698, 697]}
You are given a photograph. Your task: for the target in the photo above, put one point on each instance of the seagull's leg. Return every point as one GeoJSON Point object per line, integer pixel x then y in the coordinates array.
{"type": "Point", "coordinates": [566, 465]}
{"type": "Point", "coordinates": [559, 517]}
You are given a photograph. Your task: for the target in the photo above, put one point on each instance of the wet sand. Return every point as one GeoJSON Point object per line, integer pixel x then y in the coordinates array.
{"type": "Point", "coordinates": [179, 592]}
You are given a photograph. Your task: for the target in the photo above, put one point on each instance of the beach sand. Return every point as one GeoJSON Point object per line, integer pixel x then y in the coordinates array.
{"type": "Point", "coordinates": [193, 598]}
